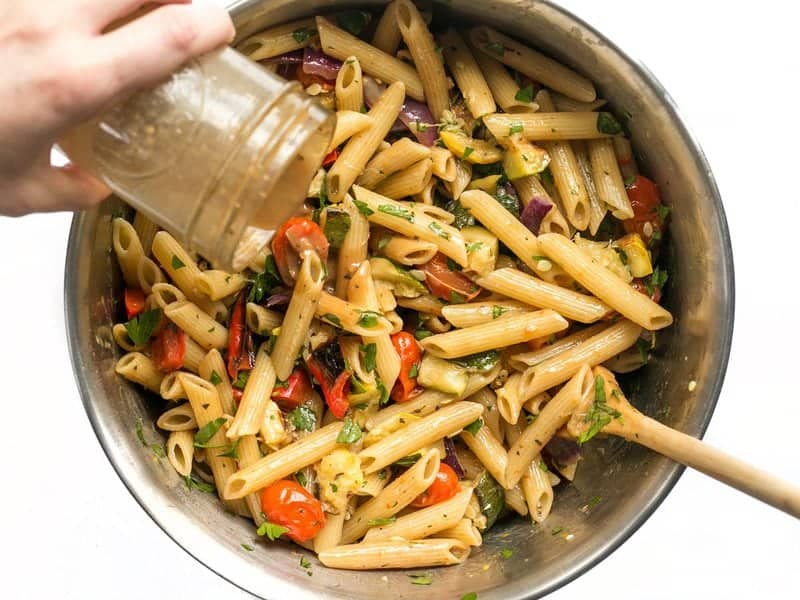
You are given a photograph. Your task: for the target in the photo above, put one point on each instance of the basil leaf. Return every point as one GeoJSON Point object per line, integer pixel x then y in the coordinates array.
{"type": "Point", "coordinates": [303, 418]}
{"type": "Point", "coordinates": [264, 282]}
{"type": "Point", "coordinates": [408, 461]}
{"type": "Point", "coordinates": [525, 94]}
{"type": "Point", "coordinates": [600, 415]}
{"type": "Point", "coordinates": [516, 127]}
{"type": "Point", "coordinates": [141, 327]}
{"type": "Point", "coordinates": [202, 437]}
{"type": "Point", "coordinates": [241, 380]}
{"type": "Point", "coordinates": [350, 432]}
{"type": "Point", "coordinates": [337, 224]}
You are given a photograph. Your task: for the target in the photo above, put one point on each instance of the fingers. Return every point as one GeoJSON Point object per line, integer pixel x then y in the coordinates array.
{"type": "Point", "coordinates": [114, 13]}
{"type": "Point", "coordinates": [150, 48]}
{"type": "Point", "coordinates": [53, 189]}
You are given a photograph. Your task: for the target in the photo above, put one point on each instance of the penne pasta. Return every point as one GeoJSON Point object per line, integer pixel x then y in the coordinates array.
{"type": "Point", "coordinates": [400, 155]}
{"type": "Point", "coordinates": [608, 178]}
{"type": "Point", "coordinates": [199, 326]}
{"type": "Point", "coordinates": [348, 124]}
{"type": "Point", "coordinates": [549, 126]}
{"type": "Point", "coordinates": [180, 451]}
{"type": "Point", "coordinates": [396, 554]}
{"type": "Point", "coordinates": [411, 180]}
{"type": "Point", "coordinates": [256, 398]}
{"type": "Point", "coordinates": [350, 86]}
{"type": "Point", "coordinates": [468, 75]}
{"type": "Point", "coordinates": [138, 368]}
{"type": "Point", "coordinates": [387, 33]}
{"type": "Point", "coordinates": [279, 40]}
{"type": "Point", "coordinates": [128, 249]}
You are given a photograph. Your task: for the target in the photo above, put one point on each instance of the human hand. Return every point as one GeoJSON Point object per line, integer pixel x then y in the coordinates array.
{"type": "Point", "coordinates": [61, 69]}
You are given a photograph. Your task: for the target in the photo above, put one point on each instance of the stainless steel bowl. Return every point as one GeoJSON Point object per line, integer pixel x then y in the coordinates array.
{"type": "Point", "coordinates": [631, 481]}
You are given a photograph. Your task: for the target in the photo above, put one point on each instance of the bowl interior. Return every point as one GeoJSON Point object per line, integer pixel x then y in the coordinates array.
{"type": "Point", "coordinates": [629, 481]}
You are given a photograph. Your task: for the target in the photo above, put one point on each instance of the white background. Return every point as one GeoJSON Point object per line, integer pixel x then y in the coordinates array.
{"type": "Point", "coordinates": [70, 529]}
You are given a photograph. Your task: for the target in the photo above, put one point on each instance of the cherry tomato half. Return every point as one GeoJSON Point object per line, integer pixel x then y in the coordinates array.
{"type": "Point", "coordinates": [410, 355]}
{"type": "Point", "coordinates": [450, 286]}
{"type": "Point", "coordinates": [169, 348]}
{"type": "Point", "coordinates": [443, 488]}
{"type": "Point", "coordinates": [288, 504]}
{"type": "Point", "coordinates": [645, 202]}
{"type": "Point", "coordinates": [294, 237]}
{"type": "Point", "coordinates": [295, 391]}
{"type": "Point", "coordinates": [134, 302]}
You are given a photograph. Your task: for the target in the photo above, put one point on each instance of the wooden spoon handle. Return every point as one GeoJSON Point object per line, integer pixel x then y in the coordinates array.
{"type": "Point", "coordinates": [714, 463]}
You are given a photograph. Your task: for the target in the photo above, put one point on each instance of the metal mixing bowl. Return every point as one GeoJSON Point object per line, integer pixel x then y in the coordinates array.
{"type": "Point", "coordinates": [630, 480]}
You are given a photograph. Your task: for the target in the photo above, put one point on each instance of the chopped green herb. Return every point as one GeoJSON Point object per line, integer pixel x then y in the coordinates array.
{"type": "Point", "coordinates": [303, 418]}
{"type": "Point", "coordinates": [264, 282]}
{"type": "Point", "coordinates": [556, 530]}
{"type": "Point", "coordinates": [600, 415]}
{"type": "Point", "coordinates": [241, 380]}
{"type": "Point", "coordinates": [595, 500]}
{"type": "Point", "coordinates": [215, 378]}
{"type": "Point", "coordinates": [141, 327]}
{"type": "Point", "coordinates": [473, 246]}
{"type": "Point", "coordinates": [452, 265]}
{"type": "Point", "coordinates": [495, 48]}
{"type": "Point", "coordinates": [547, 177]}
{"type": "Point", "coordinates": [301, 478]}
{"type": "Point", "coordinates": [140, 431]}
{"type": "Point", "coordinates": [516, 127]}
{"type": "Point", "coordinates": [177, 263]}
{"type": "Point", "coordinates": [456, 298]}
{"type": "Point", "coordinates": [543, 466]}
{"type": "Point", "coordinates": [663, 212]}
{"type": "Point", "coordinates": [248, 547]}
{"type": "Point", "coordinates": [233, 450]}
{"type": "Point", "coordinates": [481, 361]}
{"type": "Point", "coordinates": [438, 230]}
{"type": "Point", "coordinates": [467, 151]}
{"type": "Point", "coordinates": [382, 474]}
{"type": "Point", "coordinates": [463, 218]}
{"type": "Point", "coordinates": [656, 280]}
{"type": "Point", "coordinates": [204, 435]}
{"type": "Point", "coordinates": [332, 319]}
{"type": "Point", "coordinates": [497, 311]}
{"type": "Point", "coordinates": [363, 208]}
{"type": "Point", "coordinates": [408, 461]}
{"type": "Point", "coordinates": [384, 393]}
{"type": "Point", "coordinates": [630, 180]}
{"type": "Point", "coordinates": [470, 596]}
{"type": "Point", "coordinates": [506, 553]}
{"type": "Point", "coordinates": [475, 426]}
{"type": "Point", "coordinates": [643, 347]}
{"type": "Point", "coordinates": [606, 123]}
{"type": "Point", "coordinates": [370, 356]}
{"type": "Point", "coordinates": [334, 487]}
{"type": "Point", "coordinates": [196, 484]}
{"type": "Point", "coordinates": [421, 334]}
{"type": "Point", "coordinates": [525, 94]}
{"type": "Point", "coordinates": [353, 21]}
{"type": "Point", "coordinates": [509, 202]}
{"type": "Point", "coordinates": [158, 450]}
{"type": "Point", "coordinates": [396, 211]}
{"type": "Point", "coordinates": [302, 35]}
{"type": "Point", "coordinates": [305, 563]}
{"type": "Point", "coordinates": [423, 579]}
{"type": "Point", "coordinates": [271, 530]}
{"type": "Point", "coordinates": [383, 241]}
{"type": "Point", "coordinates": [337, 224]}
{"type": "Point", "coordinates": [413, 371]}
{"type": "Point", "coordinates": [280, 385]}
{"type": "Point", "coordinates": [350, 432]}
{"type": "Point", "coordinates": [368, 318]}
{"type": "Point", "coordinates": [382, 522]}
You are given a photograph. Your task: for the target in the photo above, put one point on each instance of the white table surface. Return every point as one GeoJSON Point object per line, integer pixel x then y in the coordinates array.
{"type": "Point", "coordinates": [71, 530]}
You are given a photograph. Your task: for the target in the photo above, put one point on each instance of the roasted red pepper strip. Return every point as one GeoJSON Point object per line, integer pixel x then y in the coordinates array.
{"type": "Point", "coordinates": [169, 348]}
{"type": "Point", "coordinates": [335, 392]}
{"type": "Point", "coordinates": [240, 343]}
{"type": "Point", "coordinates": [294, 391]}
{"type": "Point", "coordinates": [134, 302]}
{"type": "Point", "coordinates": [410, 356]}
{"type": "Point", "coordinates": [646, 204]}
{"type": "Point", "coordinates": [331, 157]}
{"type": "Point", "coordinates": [294, 237]}
{"type": "Point", "coordinates": [450, 286]}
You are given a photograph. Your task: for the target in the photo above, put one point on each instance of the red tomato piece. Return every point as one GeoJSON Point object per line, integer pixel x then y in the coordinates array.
{"type": "Point", "coordinates": [134, 302]}
{"type": "Point", "coordinates": [295, 236]}
{"type": "Point", "coordinates": [410, 355]}
{"type": "Point", "coordinates": [645, 202]}
{"type": "Point", "coordinates": [169, 348]}
{"type": "Point", "coordinates": [288, 504]}
{"type": "Point", "coordinates": [334, 391]}
{"type": "Point", "coordinates": [451, 286]}
{"type": "Point", "coordinates": [443, 488]}
{"type": "Point", "coordinates": [295, 392]}
{"type": "Point", "coordinates": [331, 157]}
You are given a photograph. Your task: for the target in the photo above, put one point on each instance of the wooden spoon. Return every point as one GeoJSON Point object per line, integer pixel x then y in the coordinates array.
{"type": "Point", "coordinates": [628, 423]}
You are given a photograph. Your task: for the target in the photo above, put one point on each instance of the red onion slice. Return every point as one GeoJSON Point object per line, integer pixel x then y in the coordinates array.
{"type": "Point", "coordinates": [412, 114]}
{"type": "Point", "coordinates": [451, 458]}
{"type": "Point", "coordinates": [534, 212]}
{"type": "Point", "coordinates": [320, 64]}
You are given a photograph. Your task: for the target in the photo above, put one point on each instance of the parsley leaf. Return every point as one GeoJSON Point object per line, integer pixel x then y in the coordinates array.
{"type": "Point", "coordinates": [177, 263]}
{"type": "Point", "coordinates": [363, 208]}
{"type": "Point", "coordinates": [413, 371]}
{"type": "Point", "coordinates": [663, 212]}
{"type": "Point", "coordinates": [384, 393]}
{"type": "Point", "coordinates": [473, 246]}
{"type": "Point", "coordinates": [303, 418]}
{"type": "Point", "coordinates": [302, 35]}
{"type": "Point", "coordinates": [600, 415]}
{"type": "Point", "coordinates": [606, 123]}
{"type": "Point", "coordinates": [495, 48]}
{"type": "Point", "coordinates": [241, 380]}
{"type": "Point", "coordinates": [456, 298]}
{"type": "Point", "coordinates": [470, 596]}
{"type": "Point", "coordinates": [508, 201]}
{"type": "Point", "coordinates": [140, 431]}
{"type": "Point", "coordinates": [396, 211]}
{"type": "Point", "coordinates": [525, 94]}
{"type": "Point", "coordinates": [516, 127]}
{"type": "Point", "coordinates": [475, 426]}
{"type": "Point", "coordinates": [656, 280]}
{"type": "Point", "coordinates": [643, 347]}
{"type": "Point", "coordinates": [382, 522]}
{"type": "Point", "coordinates": [248, 547]}
{"type": "Point", "coordinates": [497, 311]}
{"type": "Point", "coordinates": [158, 450]}
{"type": "Point", "coordinates": [204, 435]}
{"type": "Point", "coordinates": [547, 177]}
{"type": "Point", "coordinates": [467, 151]}
{"type": "Point", "coordinates": [409, 460]}
{"type": "Point", "coordinates": [438, 230]}
{"type": "Point", "coordinates": [332, 319]}
{"type": "Point", "coordinates": [370, 356]}
{"type": "Point", "coordinates": [350, 432]}
{"type": "Point", "coordinates": [301, 478]}
{"type": "Point", "coordinates": [215, 378]}
{"type": "Point", "coordinates": [196, 484]}
{"type": "Point", "coordinates": [263, 282]}
{"type": "Point", "coordinates": [233, 450]}
{"type": "Point", "coordinates": [141, 327]}
{"type": "Point", "coordinates": [305, 563]}
{"type": "Point", "coordinates": [422, 579]}
{"type": "Point", "coordinates": [271, 530]}
{"type": "Point", "coordinates": [506, 553]}
{"type": "Point", "coordinates": [368, 318]}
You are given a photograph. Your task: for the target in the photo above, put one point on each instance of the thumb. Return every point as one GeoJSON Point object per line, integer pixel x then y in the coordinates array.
{"type": "Point", "coordinates": [67, 188]}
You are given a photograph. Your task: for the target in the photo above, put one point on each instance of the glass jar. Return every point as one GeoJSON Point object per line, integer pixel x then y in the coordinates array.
{"type": "Point", "coordinates": [220, 151]}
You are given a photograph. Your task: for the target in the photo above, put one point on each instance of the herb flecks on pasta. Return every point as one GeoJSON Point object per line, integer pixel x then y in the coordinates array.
{"type": "Point", "coordinates": [417, 353]}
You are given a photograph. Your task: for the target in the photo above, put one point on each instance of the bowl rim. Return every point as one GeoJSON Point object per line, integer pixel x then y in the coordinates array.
{"type": "Point", "coordinates": [674, 472]}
